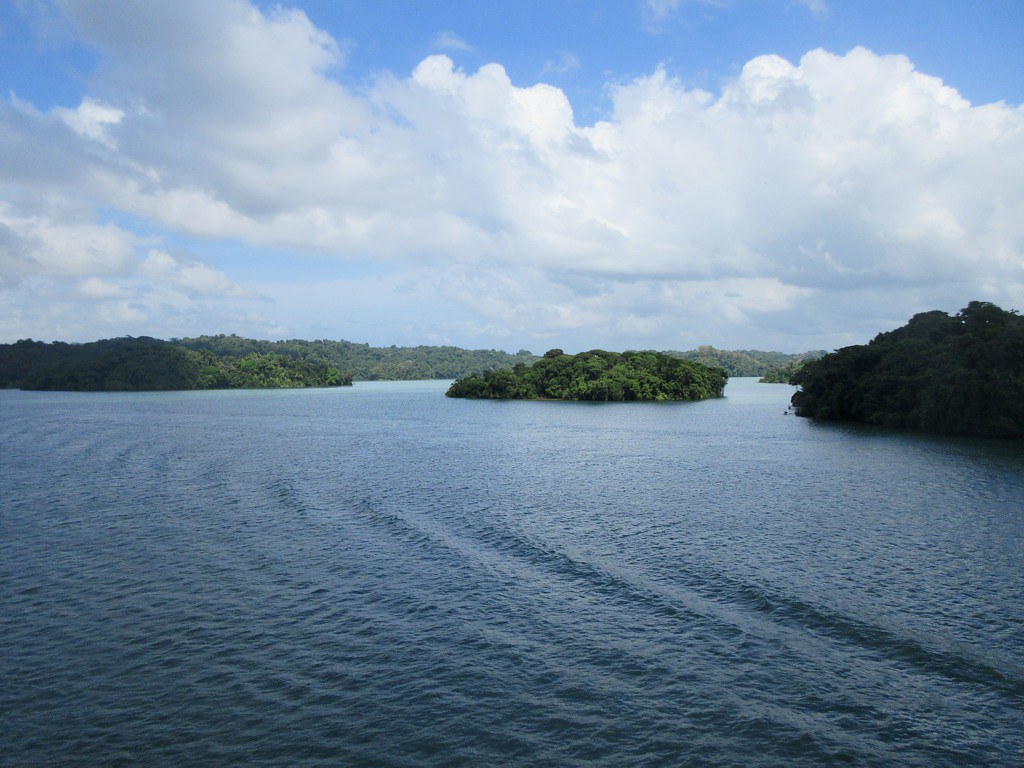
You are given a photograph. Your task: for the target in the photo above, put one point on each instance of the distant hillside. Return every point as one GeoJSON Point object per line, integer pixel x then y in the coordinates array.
{"type": "Point", "coordinates": [365, 363]}
{"type": "Point", "coordinates": [143, 364]}
{"type": "Point", "coordinates": [784, 374]}
{"type": "Point", "coordinates": [22, 363]}
{"type": "Point", "coordinates": [744, 362]}
{"type": "Point", "coordinates": [230, 361]}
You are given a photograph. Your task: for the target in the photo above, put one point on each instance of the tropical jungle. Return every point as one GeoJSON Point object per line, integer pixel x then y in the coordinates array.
{"type": "Point", "coordinates": [597, 375]}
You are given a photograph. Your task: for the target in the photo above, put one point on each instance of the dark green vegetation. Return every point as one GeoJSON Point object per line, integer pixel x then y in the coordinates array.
{"type": "Point", "coordinates": [744, 362]}
{"type": "Point", "coordinates": [597, 375]}
{"type": "Point", "coordinates": [213, 362]}
{"type": "Point", "coordinates": [233, 361]}
{"type": "Point", "coordinates": [365, 363]}
{"type": "Point", "coordinates": [784, 374]}
{"type": "Point", "coordinates": [137, 364]}
{"type": "Point", "coordinates": [959, 375]}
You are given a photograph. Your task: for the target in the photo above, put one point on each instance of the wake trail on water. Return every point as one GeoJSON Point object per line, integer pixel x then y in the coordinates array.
{"type": "Point", "coordinates": [645, 620]}
{"type": "Point", "coordinates": [338, 589]}
{"type": "Point", "coordinates": [704, 595]}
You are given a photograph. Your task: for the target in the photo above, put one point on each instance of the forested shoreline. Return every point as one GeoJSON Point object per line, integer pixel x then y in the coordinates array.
{"type": "Point", "coordinates": [597, 375]}
{"type": "Point", "coordinates": [231, 361]}
{"type": "Point", "coordinates": [956, 375]}
{"type": "Point", "coordinates": [147, 364]}
{"type": "Point", "coordinates": [228, 362]}
{"type": "Point", "coordinates": [959, 375]}
{"type": "Point", "coordinates": [366, 363]}
{"type": "Point", "coordinates": [745, 362]}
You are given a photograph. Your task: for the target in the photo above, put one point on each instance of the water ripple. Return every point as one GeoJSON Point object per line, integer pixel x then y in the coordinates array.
{"type": "Point", "coordinates": [387, 577]}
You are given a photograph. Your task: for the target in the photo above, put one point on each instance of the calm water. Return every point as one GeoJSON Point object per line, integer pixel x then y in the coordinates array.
{"type": "Point", "coordinates": [382, 576]}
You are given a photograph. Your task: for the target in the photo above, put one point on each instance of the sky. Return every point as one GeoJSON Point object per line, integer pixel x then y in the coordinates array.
{"type": "Point", "coordinates": [641, 174]}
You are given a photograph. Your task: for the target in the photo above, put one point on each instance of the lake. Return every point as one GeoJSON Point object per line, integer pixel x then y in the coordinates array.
{"type": "Point", "coordinates": [379, 575]}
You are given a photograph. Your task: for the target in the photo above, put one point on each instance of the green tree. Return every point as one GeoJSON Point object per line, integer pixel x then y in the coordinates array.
{"type": "Point", "coordinates": [961, 375]}
{"type": "Point", "coordinates": [597, 375]}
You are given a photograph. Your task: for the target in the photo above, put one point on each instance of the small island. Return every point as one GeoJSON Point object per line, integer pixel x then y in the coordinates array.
{"type": "Point", "coordinates": [959, 375]}
{"type": "Point", "coordinates": [597, 376]}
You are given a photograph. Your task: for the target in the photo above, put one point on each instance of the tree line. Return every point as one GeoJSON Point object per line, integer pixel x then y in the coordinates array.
{"type": "Point", "coordinates": [745, 362]}
{"type": "Point", "coordinates": [138, 364]}
{"type": "Point", "coordinates": [957, 375]}
{"type": "Point", "coordinates": [230, 361]}
{"type": "Point", "coordinates": [217, 362]}
{"type": "Point", "coordinates": [784, 374]}
{"type": "Point", "coordinates": [597, 375]}
{"type": "Point", "coordinates": [365, 363]}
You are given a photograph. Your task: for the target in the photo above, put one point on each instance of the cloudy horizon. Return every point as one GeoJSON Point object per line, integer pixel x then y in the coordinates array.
{"type": "Point", "coordinates": [236, 167]}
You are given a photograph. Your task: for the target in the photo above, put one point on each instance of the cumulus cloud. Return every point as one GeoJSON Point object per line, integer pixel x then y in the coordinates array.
{"type": "Point", "coordinates": [805, 202]}
{"type": "Point", "coordinates": [97, 288]}
{"type": "Point", "coordinates": [35, 245]}
{"type": "Point", "coordinates": [68, 279]}
{"type": "Point", "coordinates": [190, 275]}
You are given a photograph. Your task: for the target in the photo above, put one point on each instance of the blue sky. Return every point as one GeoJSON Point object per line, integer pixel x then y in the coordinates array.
{"type": "Point", "coordinates": [785, 174]}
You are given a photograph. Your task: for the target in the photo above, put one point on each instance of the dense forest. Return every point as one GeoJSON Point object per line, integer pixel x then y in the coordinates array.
{"type": "Point", "coordinates": [744, 362]}
{"type": "Point", "coordinates": [597, 375]}
{"type": "Point", "coordinates": [137, 364]}
{"type": "Point", "coordinates": [23, 362]}
{"type": "Point", "coordinates": [365, 363]}
{"type": "Point", "coordinates": [959, 375]}
{"type": "Point", "coordinates": [784, 374]}
{"type": "Point", "coordinates": [230, 361]}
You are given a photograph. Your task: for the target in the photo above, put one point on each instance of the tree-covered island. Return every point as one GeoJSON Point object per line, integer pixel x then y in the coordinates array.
{"type": "Point", "coordinates": [596, 375]}
{"type": "Point", "coordinates": [959, 375]}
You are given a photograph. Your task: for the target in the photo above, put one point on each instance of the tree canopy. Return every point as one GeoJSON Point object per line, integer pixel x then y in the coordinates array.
{"type": "Point", "coordinates": [784, 374]}
{"type": "Point", "coordinates": [597, 375]}
{"type": "Point", "coordinates": [218, 360]}
{"type": "Point", "coordinates": [365, 363]}
{"type": "Point", "coordinates": [744, 362]}
{"type": "Point", "coordinates": [957, 375]}
{"type": "Point", "coordinates": [362, 362]}
{"type": "Point", "coordinates": [233, 361]}
{"type": "Point", "coordinates": [136, 364]}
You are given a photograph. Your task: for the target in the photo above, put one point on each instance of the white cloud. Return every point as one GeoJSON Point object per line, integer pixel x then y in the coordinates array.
{"type": "Point", "coordinates": [92, 120]}
{"type": "Point", "coordinates": [63, 278]}
{"type": "Point", "coordinates": [97, 288]}
{"type": "Point", "coordinates": [785, 202]}
{"type": "Point", "coordinates": [35, 245]}
{"type": "Point", "coordinates": [449, 41]}
{"type": "Point", "coordinates": [189, 275]}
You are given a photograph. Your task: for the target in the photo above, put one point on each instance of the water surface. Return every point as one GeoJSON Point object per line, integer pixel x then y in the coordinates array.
{"type": "Point", "coordinates": [378, 575]}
